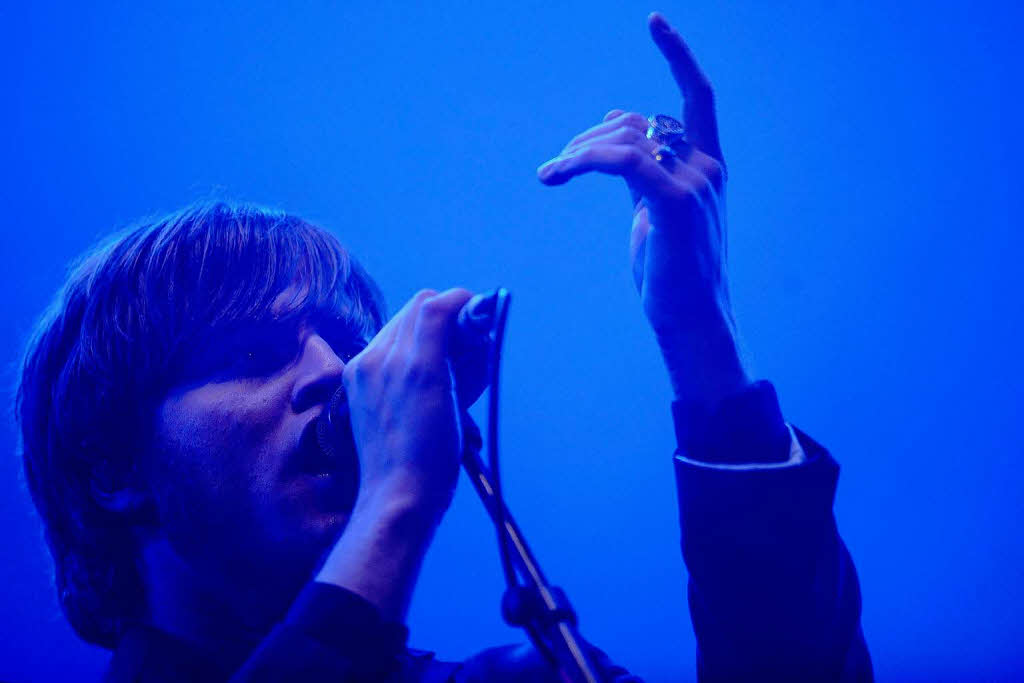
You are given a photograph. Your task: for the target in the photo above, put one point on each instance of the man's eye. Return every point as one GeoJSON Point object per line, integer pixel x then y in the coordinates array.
{"type": "Point", "coordinates": [262, 359]}
{"type": "Point", "coordinates": [345, 342]}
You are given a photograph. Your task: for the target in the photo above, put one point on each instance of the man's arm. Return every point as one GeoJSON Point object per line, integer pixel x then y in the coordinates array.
{"type": "Point", "coordinates": [349, 623]}
{"type": "Point", "coordinates": [773, 593]}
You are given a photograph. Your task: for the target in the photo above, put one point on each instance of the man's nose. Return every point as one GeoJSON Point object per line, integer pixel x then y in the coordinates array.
{"type": "Point", "coordinates": [319, 374]}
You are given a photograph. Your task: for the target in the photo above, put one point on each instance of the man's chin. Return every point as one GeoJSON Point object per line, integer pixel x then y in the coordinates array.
{"type": "Point", "coordinates": [330, 492]}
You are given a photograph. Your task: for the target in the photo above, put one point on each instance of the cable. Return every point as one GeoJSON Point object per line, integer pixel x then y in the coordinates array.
{"type": "Point", "coordinates": [542, 610]}
{"type": "Point", "coordinates": [493, 462]}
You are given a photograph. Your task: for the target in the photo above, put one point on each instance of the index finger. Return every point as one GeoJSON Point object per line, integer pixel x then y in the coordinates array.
{"type": "Point", "coordinates": [433, 325]}
{"type": "Point", "coordinates": [698, 97]}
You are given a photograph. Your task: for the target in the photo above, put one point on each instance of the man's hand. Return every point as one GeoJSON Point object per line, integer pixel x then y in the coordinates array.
{"type": "Point", "coordinates": [405, 419]}
{"type": "Point", "coordinates": [404, 409]}
{"type": "Point", "coordinates": [678, 242]}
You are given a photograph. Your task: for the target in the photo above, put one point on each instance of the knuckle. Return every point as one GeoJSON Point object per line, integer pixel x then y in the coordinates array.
{"type": "Point", "coordinates": [356, 371]}
{"type": "Point", "coordinates": [631, 135]}
{"type": "Point", "coordinates": [432, 308]}
{"type": "Point", "coordinates": [425, 294]}
{"type": "Point", "coordinates": [692, 196]}
{"type": "Point", "coordinates": [633, 157]}
{"type": "Point", "coordinates": [457, 293]}
{"type": "Point", "coordinates": [686, 196]}
{"type": "Point", "coordinates": [715, 173]}
{"type": "Point", "coordinates": [636, 120]}
{"type": "Point", "coordinates": [384, 373]}
{"type": "Point", "coordinates": [420, 372]}
{"type": "Point", "coordinates": [568, 161]}
{"type": "Point", "coordinates": [698, 183]}
{"type": "Point", "coordinates": [415, 370]}
{"type": "Point", "coordinates": [705, 189]}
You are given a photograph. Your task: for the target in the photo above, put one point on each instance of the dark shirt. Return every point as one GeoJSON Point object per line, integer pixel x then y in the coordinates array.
{"type": "Point", "coordinates": [330, 634]}
{"type": "Point", "coordinates": [773, 593]}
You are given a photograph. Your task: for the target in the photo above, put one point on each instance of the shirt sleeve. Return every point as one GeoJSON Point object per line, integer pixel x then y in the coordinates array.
{"type": "Point", "coordinates": [332, 634]}
{"type": "Point", "coordinates": [329, 634]}
{"type": "Point", "coordinates": [797, 456]}
{"type": "Point", "coordinates": [744, 431]}
{"type": "Point", "coordinates": [773, 592]}
{"type": "Point", "coordinates": [518, 663]}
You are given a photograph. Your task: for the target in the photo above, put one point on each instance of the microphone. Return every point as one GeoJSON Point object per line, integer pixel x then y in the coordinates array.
{"type": "Point", "coordinates": [477, 315]}
{"type": "Point", "coordinates": [469, 350]}
{"type": "Point", "coordinates": [470, 345]}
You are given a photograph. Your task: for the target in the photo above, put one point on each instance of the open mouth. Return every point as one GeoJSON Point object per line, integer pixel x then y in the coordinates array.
{"type": "Point", "coordinates": [331, 468]}
{"type": "Point", "coordinates": [328, 449]}
{"type": "Point", "coordinates": [311, 458]}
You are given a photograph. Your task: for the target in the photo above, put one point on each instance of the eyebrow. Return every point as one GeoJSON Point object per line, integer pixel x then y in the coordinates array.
{"type": "Point", "coordinates": [342, 332]}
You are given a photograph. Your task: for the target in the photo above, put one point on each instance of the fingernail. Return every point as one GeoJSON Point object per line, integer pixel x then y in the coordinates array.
{"type": "Point", "coordinates": [545, 169]}
{"type": "Point", "coordinates": [661, 23]}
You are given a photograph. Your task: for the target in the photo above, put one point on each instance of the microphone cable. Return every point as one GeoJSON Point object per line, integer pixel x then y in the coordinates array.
{"type": "Point", "coordinates": [500, 317]}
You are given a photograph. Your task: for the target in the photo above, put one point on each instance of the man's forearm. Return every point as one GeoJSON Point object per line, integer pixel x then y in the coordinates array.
{"type": "Point", "coordinates": [703, 361]}
{"type": "Point", "coordinates": [380, 553]}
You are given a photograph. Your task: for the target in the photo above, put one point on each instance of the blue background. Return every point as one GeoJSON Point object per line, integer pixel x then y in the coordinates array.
{"type": "Point", "coordinates": [874, 150]}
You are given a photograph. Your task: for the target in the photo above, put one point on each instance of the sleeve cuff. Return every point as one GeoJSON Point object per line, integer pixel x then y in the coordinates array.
{"type": "Point", "coordinates": [797, 456]}
{"type": "Point", "coordinates": [767, 514]}
{"type": "Point", "coordinates": [348, 624]}
{"type": "Point", "coordinates": [744, 429]}
{"type": "Point", "coordinates": [329, 634]}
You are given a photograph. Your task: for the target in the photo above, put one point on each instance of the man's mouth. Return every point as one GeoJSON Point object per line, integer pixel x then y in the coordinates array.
{"type": "Point", "coordinates": [333, 472]}
{"type": "Point", "coordinates": [310, 458]}
{"type": "Point", "coordinates": [321, 455]}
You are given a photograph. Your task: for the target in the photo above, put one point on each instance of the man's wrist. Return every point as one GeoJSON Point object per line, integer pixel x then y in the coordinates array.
{"type": "Point", "coordinates": [703, 361]}
{"type": "Point", "coordinates": [404, 496]}
{"type": "Point", "coordinates": [379, 554]}
{"type": "Point", "coordinates": [746, 428]}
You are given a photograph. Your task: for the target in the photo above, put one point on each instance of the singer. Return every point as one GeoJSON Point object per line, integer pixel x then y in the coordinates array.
{"type": "Point", "coordinates": [168, 404]}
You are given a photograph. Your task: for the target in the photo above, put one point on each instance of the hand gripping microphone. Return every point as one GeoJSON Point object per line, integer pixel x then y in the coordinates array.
{"type": "Point", "coordinates": [541, 609]}
{"type": "Point", "coordinates": [469, 349]}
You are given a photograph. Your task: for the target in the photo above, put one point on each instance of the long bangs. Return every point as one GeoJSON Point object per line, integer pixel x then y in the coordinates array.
{"type": "Point", "coordinates": [210, 267]}
{"type": "Point", "coordinates": [220, 264]}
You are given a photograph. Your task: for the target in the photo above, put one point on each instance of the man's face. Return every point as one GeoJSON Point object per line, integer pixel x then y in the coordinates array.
{"type": "Point", "coordinates": [239, 484]}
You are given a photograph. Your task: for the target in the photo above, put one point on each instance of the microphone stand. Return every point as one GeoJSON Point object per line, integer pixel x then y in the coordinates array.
{"type": "Point", "coordinates": [541, 609]}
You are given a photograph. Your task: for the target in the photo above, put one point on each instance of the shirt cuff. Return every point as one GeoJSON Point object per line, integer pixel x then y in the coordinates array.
{"type": "Point", "coordinates": [348, 624]}
{"type": "Point", "coordinates": [745, 428]}
{"type": "Point", "coordinates": [796, 457]}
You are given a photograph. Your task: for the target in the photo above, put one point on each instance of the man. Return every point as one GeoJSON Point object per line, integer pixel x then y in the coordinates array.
{"type": "Point", "coordinates": [167, 403]}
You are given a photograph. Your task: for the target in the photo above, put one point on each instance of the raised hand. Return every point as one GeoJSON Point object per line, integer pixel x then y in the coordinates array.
{"type": "Point", "coordinates": [678, 241]}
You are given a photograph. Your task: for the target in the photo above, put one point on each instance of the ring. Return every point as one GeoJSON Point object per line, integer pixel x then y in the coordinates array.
{"type": "Point", "coordinates": [668, 132]}
{"type": "Point", "coordinates": [665, 129]}
{"type": "Point", "coordinates": [664, 154]}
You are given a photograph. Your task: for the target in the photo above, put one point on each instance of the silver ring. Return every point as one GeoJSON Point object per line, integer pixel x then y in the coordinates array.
{"type": "Point", "coordinates": [665, 129]}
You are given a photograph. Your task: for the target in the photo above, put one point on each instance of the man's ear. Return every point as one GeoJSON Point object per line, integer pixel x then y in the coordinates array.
{"type": "Point", "coordinates": [115, 490]}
